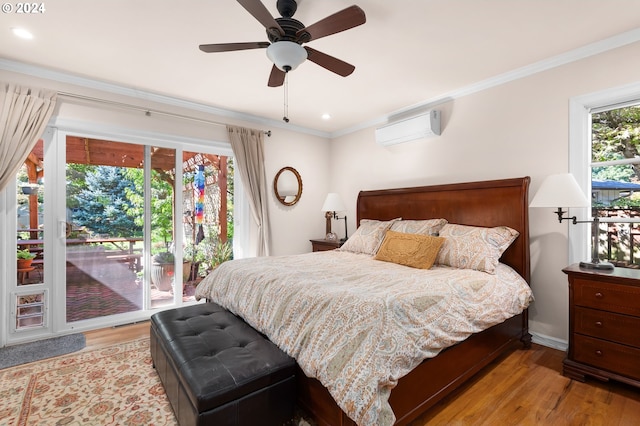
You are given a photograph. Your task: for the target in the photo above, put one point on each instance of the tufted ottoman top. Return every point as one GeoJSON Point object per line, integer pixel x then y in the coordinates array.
{"type": "Point", "coordinates": [219, 357]}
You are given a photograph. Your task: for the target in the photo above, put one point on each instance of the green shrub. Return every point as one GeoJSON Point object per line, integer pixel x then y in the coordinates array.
{"type": "Point", "coordinates": [25, 254]}
{"type": "Point", "coordinates": [164, 257]}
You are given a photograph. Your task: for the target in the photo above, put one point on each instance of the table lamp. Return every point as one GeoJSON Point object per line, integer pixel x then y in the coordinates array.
{"type": "Point", "coordinates": [563, 190]}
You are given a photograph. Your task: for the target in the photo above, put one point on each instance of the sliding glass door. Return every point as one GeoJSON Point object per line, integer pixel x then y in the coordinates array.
{"type": "Point", "coordinates": [104, 239]}
{"type": "Point", "coordinates": [132, 228]}
{"type": "Point", "coordinates": [141, 228]}
{"type": "Point", "coordinates": [123, 226]}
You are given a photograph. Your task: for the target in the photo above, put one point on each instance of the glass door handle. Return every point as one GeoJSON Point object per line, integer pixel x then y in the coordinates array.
{"type": "Point", "coordinates": [62, 229]}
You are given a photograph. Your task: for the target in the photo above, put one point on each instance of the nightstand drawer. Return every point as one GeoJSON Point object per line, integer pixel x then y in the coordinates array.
{"type": "Point", "coordinates": [623, 299]}
{"type": "Point", "coordinates": [609, 356]}
{"type": "Point", "coordinates": [606, 325]}
{"type": "Point", "coordinates": [324, 245]}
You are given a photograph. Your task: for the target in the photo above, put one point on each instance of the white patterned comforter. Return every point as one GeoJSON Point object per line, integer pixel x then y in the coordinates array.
{"type": "Point", "coordinates": [359, 324]}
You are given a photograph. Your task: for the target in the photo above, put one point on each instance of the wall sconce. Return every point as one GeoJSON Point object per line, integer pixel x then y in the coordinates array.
{"type": "Point", "coordinates": [332, 204]}
{"type": "Point", "coordinates": [563, 190]}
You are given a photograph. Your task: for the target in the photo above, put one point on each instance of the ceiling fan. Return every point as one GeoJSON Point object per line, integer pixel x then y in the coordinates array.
{"type": "Point", "coordinates": [286, 36]}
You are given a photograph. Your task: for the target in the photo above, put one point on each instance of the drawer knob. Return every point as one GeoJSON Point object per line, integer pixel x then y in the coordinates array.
{"type": "Point", "coordinates": [598, 352]}
{"type": "Point", "coordinates": [599, 295]}
{"type": "Point", "coordinates": [598, 323]}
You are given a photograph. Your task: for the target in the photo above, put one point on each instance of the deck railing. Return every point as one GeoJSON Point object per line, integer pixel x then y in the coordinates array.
{"type": "Point", "coordinates": [619, 236]}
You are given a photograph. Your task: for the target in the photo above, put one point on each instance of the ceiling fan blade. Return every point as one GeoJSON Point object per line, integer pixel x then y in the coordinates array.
{"type": "Point", "coordinates": [339, 21]}
{"type": "Point", "coordinates": [228, 47]}
{"type": "Point", "coordinates": [276, 78]}
{"type": "Point", "coordinates": [329, 62]}
{"type": "Point", "coordinates": [260, 12]}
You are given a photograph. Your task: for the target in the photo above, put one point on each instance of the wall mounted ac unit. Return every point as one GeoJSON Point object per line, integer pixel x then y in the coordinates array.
{"type": "Point", "coordinates": [418, 127]}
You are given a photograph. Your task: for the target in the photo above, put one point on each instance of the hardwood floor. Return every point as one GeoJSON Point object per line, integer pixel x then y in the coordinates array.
{"type": "Point", "coordinates": [524, 388]}
{"type": "Point", "coordinates": [527, 388]}
{"type": "Point", "coordinates": [108, 336]}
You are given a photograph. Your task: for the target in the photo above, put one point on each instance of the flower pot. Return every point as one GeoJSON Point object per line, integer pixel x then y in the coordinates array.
{"type": "Point", "coordinates": [186, 271]}
{"type": "Point", "coordinates": [162, 276]}
{"type": "Point", "coordinates": [24, 263]}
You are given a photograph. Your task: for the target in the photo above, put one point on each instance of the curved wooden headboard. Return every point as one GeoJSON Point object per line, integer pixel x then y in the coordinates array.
{"type": "Point", "coordinates": [487, 203]}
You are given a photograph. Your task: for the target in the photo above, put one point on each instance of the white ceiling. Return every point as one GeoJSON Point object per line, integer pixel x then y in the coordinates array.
{"type": "Point", "coordinates": [408, 53]}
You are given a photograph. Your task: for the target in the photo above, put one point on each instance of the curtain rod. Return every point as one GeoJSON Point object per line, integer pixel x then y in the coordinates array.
{"type": "Point", "coordinates": [147, 111]}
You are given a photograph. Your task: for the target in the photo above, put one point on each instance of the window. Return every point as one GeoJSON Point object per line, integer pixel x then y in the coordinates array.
{"type": "Point", "coordinates": [615, 182]}
{"type": "Point", "coordinates": [604, 156]}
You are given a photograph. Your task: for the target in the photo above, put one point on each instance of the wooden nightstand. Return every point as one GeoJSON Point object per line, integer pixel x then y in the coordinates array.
{"type": "Point", "coordinates": [324, 245]}
{"type": "Point", "coordinates": [604, 319]}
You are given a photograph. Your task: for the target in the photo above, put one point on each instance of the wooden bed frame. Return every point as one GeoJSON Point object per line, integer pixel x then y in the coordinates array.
{"type": "Point", "coordinates": [488, 203]}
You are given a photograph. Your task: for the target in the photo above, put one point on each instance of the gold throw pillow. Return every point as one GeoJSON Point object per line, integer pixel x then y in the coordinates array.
{"type": "Point", "coordinates": [414, 250]}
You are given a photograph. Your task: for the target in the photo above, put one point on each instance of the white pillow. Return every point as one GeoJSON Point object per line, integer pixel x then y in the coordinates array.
{"type": "Point", "coordinates": [474, 247]}
{"type": "Point", "coordinates": [368, 236]}
{"type": "Point", "coordinates": [422, 227]}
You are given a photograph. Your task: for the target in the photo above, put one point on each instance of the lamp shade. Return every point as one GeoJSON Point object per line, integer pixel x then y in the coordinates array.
{"type": "Point", "coordinates": [560, 190]}
{"type": "Point", "coordinates": [286, 55]}
{"type": "Point", "coordinates": [333, 203]}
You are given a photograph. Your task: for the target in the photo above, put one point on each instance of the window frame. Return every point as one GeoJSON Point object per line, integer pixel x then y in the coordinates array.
{"type": "Point", "coordinates": [580, 110]}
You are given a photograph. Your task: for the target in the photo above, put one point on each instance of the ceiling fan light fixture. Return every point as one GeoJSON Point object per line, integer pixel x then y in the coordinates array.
{"type": "Point", "coordinates": [286, 55]}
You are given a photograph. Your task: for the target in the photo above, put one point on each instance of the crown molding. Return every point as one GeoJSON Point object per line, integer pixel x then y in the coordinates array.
{"type": "Point", "coordinates": [574, 55]}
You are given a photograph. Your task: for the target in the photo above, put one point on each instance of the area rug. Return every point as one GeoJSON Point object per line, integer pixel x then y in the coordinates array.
{"type": "Point", "coordinates": [42, 349]}
{"type": "Point", "coordinates": [115, 385]}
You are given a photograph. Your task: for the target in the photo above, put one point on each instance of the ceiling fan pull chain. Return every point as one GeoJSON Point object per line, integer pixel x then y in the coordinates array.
{"type": "Point", "coordinates": [286, 98]}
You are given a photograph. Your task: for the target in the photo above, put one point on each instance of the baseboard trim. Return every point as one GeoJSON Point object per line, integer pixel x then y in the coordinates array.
{"type": "Point", "coordinates": [550, 342]}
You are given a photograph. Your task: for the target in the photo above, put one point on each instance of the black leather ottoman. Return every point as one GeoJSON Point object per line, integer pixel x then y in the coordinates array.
{"type": "Point", "coordinates": [217, 370]}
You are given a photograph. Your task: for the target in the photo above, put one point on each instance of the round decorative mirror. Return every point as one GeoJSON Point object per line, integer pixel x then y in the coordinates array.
{"type": "Point", "coordinates": [288, 186]}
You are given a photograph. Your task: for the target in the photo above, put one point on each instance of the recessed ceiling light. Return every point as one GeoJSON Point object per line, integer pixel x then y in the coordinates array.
{"type": "Point", "coordinates": [326, 116]}
{"type": "Point", "coordinates": [22, 33]}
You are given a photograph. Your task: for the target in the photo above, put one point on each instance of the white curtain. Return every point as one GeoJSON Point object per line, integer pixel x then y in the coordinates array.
{"type": "Point", "coordinates": [248, 151]}
{"type": "Point", "coordinates": [24, 114]}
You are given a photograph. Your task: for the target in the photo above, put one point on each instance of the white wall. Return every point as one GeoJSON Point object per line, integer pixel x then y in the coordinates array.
{"type": "Point", "coordinates": [515, 129]}
{"type": "Point", "coordinates": [293, 226]}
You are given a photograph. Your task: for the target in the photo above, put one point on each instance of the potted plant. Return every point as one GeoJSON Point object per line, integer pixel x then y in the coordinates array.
{"type": "Point", "coordinates": [195, 255]}
{"type": "Point", "coordinates": [218, 252]}
{"type": "Point", "coordinates": [223, 251]}
{"type": "Point", "coordinates": [162, 270]}
{"type": "Point", "coordinates": [25, 257]}
{"type": "Point", "coordinates": [188, 259]}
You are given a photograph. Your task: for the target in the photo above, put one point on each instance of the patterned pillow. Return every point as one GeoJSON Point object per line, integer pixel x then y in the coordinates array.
{"type": "Point", "coordinates": [473, 247]}
{"type": "Point", "coordinates": [368, 236]}
{"type": "Point", "coordinates": [414, 250]}
{"type": "Point", "coordinates": [423, 227]}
